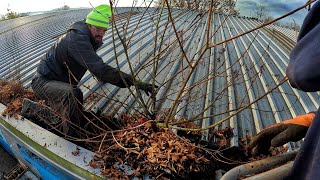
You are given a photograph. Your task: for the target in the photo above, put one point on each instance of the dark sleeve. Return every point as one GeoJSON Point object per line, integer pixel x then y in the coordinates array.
{"type": "Point", "coordinates": [303, 69]}
{"type": "Point", "coordinates": [306, 164]}
{"type": "Point", "coordinates": [82, 51]}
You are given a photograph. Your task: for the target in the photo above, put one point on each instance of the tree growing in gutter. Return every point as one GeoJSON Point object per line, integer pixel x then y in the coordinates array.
{"type": "Point", "coordinates": [209, 68]}
{"type": "Point", "coordinates": [187, 66]}
{"type": "Point", "coordinates": [174, 45]}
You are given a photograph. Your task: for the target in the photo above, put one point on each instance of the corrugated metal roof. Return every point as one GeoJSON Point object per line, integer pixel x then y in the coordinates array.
{"type": "Point", "coordinates": [228, 76]}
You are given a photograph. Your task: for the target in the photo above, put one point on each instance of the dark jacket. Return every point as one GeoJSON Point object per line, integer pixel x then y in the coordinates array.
{"type": "Point", "coordinates": [304, 74]}
{"type": "Point", "coordinates": [73, 54]}
{"type": "Point", "coordinates": [303, 70]}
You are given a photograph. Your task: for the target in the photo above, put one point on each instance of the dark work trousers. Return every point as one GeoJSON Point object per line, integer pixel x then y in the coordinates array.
{"type": "Point", "coordinates": [65, 100]}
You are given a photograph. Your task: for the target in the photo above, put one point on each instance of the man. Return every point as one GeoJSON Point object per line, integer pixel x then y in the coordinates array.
{"type": "Point", "coordinates": [66, 62]}
{"type": "Point", "coordinates": [303, 73]}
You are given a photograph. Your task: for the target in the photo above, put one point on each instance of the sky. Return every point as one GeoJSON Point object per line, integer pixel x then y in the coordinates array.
{"type": "Point", "coordinates": [22, 6]}
{"type": "Point", "coordinates": [275, 8]}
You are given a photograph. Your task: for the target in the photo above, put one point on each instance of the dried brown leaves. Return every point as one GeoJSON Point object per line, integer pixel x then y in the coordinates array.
{"type": "Point", "coordinates": [156, 153]}
{"type": "Point", "coordinates": [11, 95]}
{"type": "Point", "coordinates": [223, 136]}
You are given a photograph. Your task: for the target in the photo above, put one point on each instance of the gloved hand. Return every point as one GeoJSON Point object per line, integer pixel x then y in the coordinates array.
{"type": "Point", "coordinates": [276, 135]}
{"type": "Point", "coordinates": [147, 88]}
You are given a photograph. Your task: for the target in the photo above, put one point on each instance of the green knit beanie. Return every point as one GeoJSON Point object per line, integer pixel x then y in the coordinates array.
{"type": "Point", "coordinates": [99, 16]}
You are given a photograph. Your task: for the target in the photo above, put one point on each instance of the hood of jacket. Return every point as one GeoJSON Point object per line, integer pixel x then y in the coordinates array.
{"type": "Point", "coordinates": [82, 28]}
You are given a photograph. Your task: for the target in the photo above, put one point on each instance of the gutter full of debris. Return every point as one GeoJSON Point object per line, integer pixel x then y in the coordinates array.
{"type": "Point", "coordinates": [49, 155]}
{"type": "Point", "coordinates": [139, 151]}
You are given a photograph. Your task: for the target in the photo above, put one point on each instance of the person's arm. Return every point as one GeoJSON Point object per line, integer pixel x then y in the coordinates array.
{"type": "Point", "coordinates": [278, 134]}
{"type": "Point", "coordinates": [303, 70]}
{"type": "Point", "coordinates": [82, 51]}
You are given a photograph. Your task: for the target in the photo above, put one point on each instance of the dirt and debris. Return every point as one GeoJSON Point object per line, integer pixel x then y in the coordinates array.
{"type": "Point", "coordinates": [221, 137]}
{"type": "Point", "coordinates": [193, 136]}
{"type": "Point", "coordinates": [273, 151]}
{"type": "Point", "coordinates": [157, 152]}
{"type": "Point", "coordinates": [12, 94]}
{"type": "Point", "coordinates": [93, 97]}
{"type": "Point", "coordinates": [76, 152]}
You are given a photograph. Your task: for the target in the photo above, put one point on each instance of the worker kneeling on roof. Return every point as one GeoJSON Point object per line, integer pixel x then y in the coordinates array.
{"type": "Point", "coordinates": [66, 62]}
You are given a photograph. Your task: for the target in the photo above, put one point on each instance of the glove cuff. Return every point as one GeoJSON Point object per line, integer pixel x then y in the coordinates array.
{"type": "Point", "coordinates": [303, 120]}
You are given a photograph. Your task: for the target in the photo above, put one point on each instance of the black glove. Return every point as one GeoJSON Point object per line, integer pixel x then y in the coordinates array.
{"type": "Point", "coordinates": [276, 135]}
{"type": "Point", "coordinates": [147, 88]}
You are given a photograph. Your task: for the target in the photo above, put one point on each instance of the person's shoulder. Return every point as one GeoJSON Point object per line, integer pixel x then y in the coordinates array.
{"type": "Point", "coordinates": [79, 28]}
{"type": "Point", "coordinates": [311, 21]}
{"type": "Point", "coordinates": [78, 35]}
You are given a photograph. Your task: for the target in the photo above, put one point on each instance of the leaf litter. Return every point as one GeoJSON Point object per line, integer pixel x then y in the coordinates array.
{"type": "Point", "coordinates": [157, 152]}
